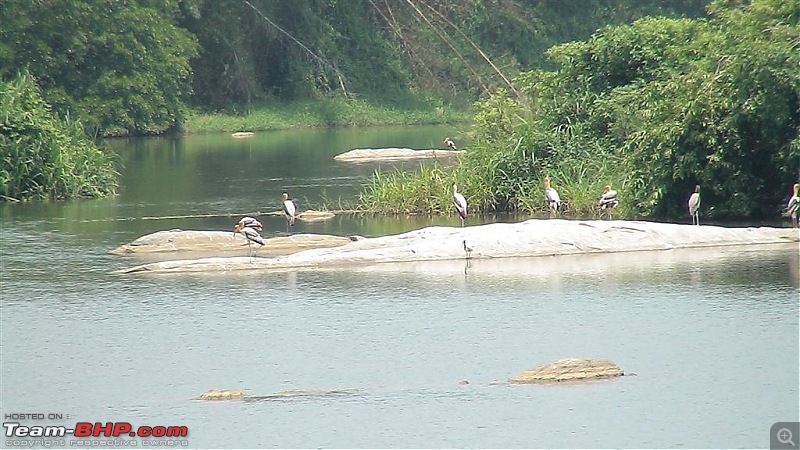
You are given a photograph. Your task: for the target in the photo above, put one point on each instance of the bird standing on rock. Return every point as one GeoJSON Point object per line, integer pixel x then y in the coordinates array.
{"type": "Point", "coordinates": [288, 210]}
{"type": "Point", "coordinates": [608, 200]}
{"type": "Point", "coordinates": [460, 203]}
{"type": "Point", "coordinates": [793, 205]}
{"type": "Point", "coordinates": [467, 250]}
{"type": "Point", "coordinates": [249, 228]}
{"type": "Point", "coordinates": [551, 195]}
{"type": "Point", "coordinates": [694, 206]}
{"type": "Point", "coordinates": [449, 143]}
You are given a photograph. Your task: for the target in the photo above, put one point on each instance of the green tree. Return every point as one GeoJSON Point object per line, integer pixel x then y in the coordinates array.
{"type": "Point", "coordinates": [122, 66]}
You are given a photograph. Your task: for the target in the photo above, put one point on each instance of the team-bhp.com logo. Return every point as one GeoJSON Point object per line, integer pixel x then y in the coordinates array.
{"type": "Point", "coordinates": [90, 430]}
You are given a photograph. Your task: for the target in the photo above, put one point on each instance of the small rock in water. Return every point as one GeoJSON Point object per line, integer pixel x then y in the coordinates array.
{"type": "Point", "coordinates": [221, 394]}
{"type": "Point", "coordinates": [569, 369]}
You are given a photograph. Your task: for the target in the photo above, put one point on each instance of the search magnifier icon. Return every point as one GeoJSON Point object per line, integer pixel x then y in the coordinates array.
{"type": "Point", "coordinates": [784, 436]}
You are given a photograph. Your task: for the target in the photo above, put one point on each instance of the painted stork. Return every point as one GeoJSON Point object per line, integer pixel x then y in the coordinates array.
{"type": "Point", "coordinates": [251, 222]}
{"type": "Point", "coordinates": [288, 210]}
{"type": "Point", "coordinates": [551, 195]}
{"type": "Point", "coordinates": [460, 203]}
{"type": "Point", "coordinates": [793, 205]}
{"type": "Point", "coordinates": [249, 228]}
{"type": "Point", "coordinates": [450, 144]}
{"type": "Point", "coordinates": [608, 200]}
{"type": "Point", "coordinates": [694, 206]}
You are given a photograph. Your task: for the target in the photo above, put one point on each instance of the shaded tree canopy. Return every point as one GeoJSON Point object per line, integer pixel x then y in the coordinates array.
{"type": "Point", "coordinates": [131, 66]}
{"type": "Point", "coordinates": [121, 66]}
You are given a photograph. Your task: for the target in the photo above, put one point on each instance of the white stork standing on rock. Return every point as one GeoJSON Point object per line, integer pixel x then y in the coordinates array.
{"type": "Point", "coordinates": [608, 200]}
{"type": "Point", "coordinates": [460, 203]}
{"type": "Point", "coordinates": [289, 210]}
{"type": "Point", "coordinates": [793, 205]}
{"type": "Point", "coordinates": [249, 228]}
{"type": "Point", "coordinates": [551, 195]}
{"type": "Point", "coordinates": [694, 206]}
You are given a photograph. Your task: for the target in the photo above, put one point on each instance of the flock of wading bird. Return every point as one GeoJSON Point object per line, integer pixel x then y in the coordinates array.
{"type": "Point", "coordinates": [250, 227]}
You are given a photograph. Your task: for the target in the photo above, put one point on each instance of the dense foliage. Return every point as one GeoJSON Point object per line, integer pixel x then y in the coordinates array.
{"type": "Point", "coordinates": [43, 156]}
{"type": "Point", "coordinates": [121, 66]}
{"type": "Point", "coordinates": [652, 108]}
{"type": "Point", "coordinates": [130, 66]}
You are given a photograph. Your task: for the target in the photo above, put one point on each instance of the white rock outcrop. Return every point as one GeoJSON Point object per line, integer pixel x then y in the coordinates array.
{"type": "Point", "coordinates": [387, 154]}
{"type": "Point", "coordinates": [220, 242]}
{"type": "Point", "coordinates": [499, 240]}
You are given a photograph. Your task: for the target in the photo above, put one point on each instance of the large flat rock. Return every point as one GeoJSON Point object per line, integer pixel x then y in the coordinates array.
{"type": "Point", "coordinates": [222, 242]}
{"type": "Point", "coordinates": [500, 240]}
{"type": "Point", "coordinates": [388, 154]}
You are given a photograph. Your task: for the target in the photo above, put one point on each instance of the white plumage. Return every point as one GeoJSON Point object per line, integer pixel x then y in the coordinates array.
{"type": "Point", "coordinates": [249, 227]}
{"type": "Point", "coordinates": [609, 198]}
{"type": "Point", "coordinates": [460, 203]}
{"type": "Point", "coordinates": [694, 206]}
{"type": "Point", "coordinates": [793, 205]}
{"type": "Point", "coordinates": [552, 197]}
{"type": "Point", "coordinates": [288, 210]}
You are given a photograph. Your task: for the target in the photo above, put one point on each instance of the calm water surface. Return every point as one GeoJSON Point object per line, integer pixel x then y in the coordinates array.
{"type": "Point", "coordinates": [712, 335]}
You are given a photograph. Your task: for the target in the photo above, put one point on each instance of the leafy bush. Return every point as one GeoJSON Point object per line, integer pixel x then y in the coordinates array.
{"type": "Point", "coordinates": [44, 157]}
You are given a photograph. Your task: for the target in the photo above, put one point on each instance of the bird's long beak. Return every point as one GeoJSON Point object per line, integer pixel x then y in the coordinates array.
{"type": "Point", "coordinates": [237, 227]}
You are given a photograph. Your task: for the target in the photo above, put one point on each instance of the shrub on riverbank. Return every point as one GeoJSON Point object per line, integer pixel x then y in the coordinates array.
{"type": "Point", "coordinates": [44, 156]}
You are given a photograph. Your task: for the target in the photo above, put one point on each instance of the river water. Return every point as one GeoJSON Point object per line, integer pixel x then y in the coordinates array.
{"type": "Point", "coordinates": [712, 335]}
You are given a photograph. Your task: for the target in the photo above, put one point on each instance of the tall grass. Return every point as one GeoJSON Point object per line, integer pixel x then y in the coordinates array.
{"type": "Point", "coordinates": [44, 156]}
{"type": "Point", "coordinates": [424, 191]}
{"type": "Point", "coordinates": [484, 177]}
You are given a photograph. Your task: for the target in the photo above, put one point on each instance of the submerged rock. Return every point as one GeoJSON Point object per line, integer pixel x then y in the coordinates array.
{"type": "Point", "coordinates": [235, 394]}
{"type": "Point", "coordinates": [221, 394]}
{"type": "Point", "coordinates": [498, 240]}
{"type": "Point", "coordinates": [569, 369]}
{"type": "Point", "coordinates": [224, 241]}
{"type": "Point", "coordinates": [384, 154]}
{"type": "Point", "coordinates": [315, 216]}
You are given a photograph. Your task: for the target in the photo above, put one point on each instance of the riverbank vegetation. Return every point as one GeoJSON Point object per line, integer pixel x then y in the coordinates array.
{"type": "Point", "coordinates": [652, 108]}
{"type": "Point", "coordinates": [43, 156]}
{"type": "Point", "coordinates": [327, 112]}
{"type": "Point", "coordinates": [138, 67]}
